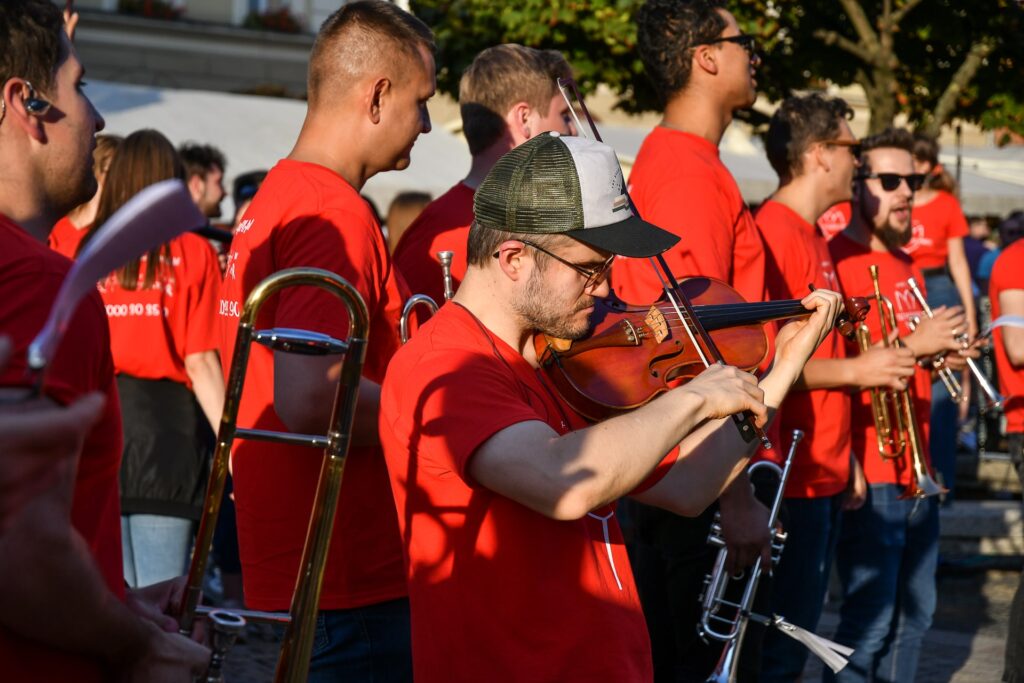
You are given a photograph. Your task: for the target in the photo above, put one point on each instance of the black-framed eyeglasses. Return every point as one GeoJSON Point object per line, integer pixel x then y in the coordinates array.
{"type": "Point", "coordinates": [891, 181]}
{"type": "Point", "coordinates": [744, 40]}
{"type": "Point", "coordinates": [853, 145]}
{"type": "Point", "coordinates": [593, 275]}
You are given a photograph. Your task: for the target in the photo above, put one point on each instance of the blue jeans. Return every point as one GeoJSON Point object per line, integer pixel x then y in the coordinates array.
{"type": "Point", "coordinates": [369, 644]}
{"type": "Point", "coordinates": [944, 417]}
{"type": "Point", "coordinates": [800, 581]}
{"type": "Point", "coordinates": [886, 561]}
{"type": "Point", "coordinates": [154, 548]}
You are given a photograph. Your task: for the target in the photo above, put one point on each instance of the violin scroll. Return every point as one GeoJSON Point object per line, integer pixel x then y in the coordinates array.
{"type": "Point", "coordinates": [857, 308]}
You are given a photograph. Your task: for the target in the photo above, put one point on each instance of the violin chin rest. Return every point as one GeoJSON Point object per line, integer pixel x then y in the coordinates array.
{"type": "Point", "coordinates": [559, 345]}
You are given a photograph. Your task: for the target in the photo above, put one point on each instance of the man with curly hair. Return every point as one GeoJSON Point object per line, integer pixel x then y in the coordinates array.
{"type": "Point", "coordinates": [702, 68]}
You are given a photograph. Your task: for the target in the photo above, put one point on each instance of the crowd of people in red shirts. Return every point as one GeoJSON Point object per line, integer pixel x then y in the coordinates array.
{"type": "Point", "coordinates": [486, 530]}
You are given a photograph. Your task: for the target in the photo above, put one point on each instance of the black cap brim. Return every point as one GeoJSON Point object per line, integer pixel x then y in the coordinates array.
{"type": "Point", "coordinates": [633, 237]}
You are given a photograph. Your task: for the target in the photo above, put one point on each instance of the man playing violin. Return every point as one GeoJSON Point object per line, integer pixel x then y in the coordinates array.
{"type": "Point", "coordinates": [505, 497]}
{"type": "Point", "coordinates": [888, 542]}
{"type": "Point", "coordinates": [814, 153]}
{"type": "Point", "coordinates": [702, 68]}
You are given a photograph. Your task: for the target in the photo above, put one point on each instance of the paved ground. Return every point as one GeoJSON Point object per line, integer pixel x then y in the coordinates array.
{"type": "Point", "coordinates": [968, 637]}
{"type": "Point", "coordinates": [965, 645]}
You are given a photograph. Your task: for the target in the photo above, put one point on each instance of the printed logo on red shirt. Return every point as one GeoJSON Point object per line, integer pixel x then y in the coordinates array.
{"type": "Point", "coordinates": [918, 239]}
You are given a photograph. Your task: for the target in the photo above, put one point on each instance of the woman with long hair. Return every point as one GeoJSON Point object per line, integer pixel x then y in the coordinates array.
{"type": "Point", "coordinates": [69, 231]}
{"type": "Point", "coordinates": [162, 309]}
{"type": "Point", "coordinates": [937, 247]}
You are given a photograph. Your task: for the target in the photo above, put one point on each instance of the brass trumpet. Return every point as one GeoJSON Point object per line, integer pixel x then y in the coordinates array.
{"type": "Point", "coordinates": [993, 399]}
{"type": "Point", "coordinates": [885, 403]}
{"type": "Point", "coordinates": [445, 257]}
{"type": "Point", "coordinates": [910, 434]}
{"type": "Point", "coordinates": [293, 661]}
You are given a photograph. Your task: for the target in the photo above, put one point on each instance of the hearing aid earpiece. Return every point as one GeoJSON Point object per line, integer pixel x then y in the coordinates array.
{"type": "Point", "coordinates": [36, 106]}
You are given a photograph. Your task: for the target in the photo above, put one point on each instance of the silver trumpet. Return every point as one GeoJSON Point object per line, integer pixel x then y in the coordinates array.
{"type": "Point", "coordinates": [725, 620]}
{"type": "Point", "coordinates": [993, 399]}
{"type": "Point", "coordinates": [445, 257]}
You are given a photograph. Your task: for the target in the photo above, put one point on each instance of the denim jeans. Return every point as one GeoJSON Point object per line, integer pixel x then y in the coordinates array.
{"type": "Point", "coordinates": [944, 422]}
{"type": "Point", "coordinates": [800, 581]}
{"type": "Point", "coordinates": [886, 561]}
{"type": "Point", "coordinates": [154, 548]}
{"type": "Point", "coordinates": [370, 644]}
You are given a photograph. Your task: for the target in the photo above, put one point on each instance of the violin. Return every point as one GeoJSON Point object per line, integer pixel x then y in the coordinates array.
{"type": "Point", "coordinates": [634, 353]}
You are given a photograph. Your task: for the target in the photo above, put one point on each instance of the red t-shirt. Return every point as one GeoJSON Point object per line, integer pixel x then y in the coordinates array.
{"type": "Point", "coordinates": [835, 220]}
{"type": "Point", "coordinates": [30, 276]}
{"type": "Point", "coordinates": [307, 215]}
{"type": "Point", "coordinates": [678, 183]}
{"type": "Point", "coordinates": [1008, 273]}
{"type": "Point", "coordinates": [798, 256]}
{"type": "Point", "coordinates": [65, 237]}
{"type": "Point", "coordinates": [498, 592]}
{"type": "Point", "coordinates": [152, 330]}
{"type": "Point", "coordinates": [442, 226]}
{"type": "Point", "coordinates": [852, 261]}
{"type": "Point", "coordinates": [933, 224]}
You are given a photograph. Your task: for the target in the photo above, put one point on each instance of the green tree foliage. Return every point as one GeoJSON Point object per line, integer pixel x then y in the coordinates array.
{"type": "Point", "coordinates": [596, 36]}
{"type": "Point", "coordinates": [931, 59]}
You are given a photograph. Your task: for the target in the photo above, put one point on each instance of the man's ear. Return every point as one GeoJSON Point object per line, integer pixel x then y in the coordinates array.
{"type": "Point", "coordinates": [379, 92]}
{"type": "Point", "coordinates": [510, 258]}
{"type": "Point", "coordinates": [816, 155]}
{"type": "Point", "coordinates": [705, 57]}
{"type": "Point", "coordinates": [196, 185]}
{"type": "Point", "coordinates": [518, 121]}
{"type": "Point", "coordinates": [16, 113]}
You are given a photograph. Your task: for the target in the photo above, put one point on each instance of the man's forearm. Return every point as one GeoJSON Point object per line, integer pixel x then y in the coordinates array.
{"type": "Point", "coordinates": [826, 373]}
{"type": "Point", "coordinates": [53, 591]}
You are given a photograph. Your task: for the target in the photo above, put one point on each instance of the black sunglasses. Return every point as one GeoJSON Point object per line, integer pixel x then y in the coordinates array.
{"type": "Point", "coordinates": [891, 181]}
{"type": "Point", "coordinates": [592, 275]}
{"type": "Point", "coordinates": [744, 40]}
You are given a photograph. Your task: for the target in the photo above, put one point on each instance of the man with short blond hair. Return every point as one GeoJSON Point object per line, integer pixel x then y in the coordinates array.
{"type": "Point", "coordinates": [365, 113]}
{"type": "Point", "coordinates": [506, 96]}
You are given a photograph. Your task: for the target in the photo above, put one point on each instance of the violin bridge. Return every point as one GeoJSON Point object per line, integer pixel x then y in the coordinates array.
{"type": "Point", "coordinates": [656, 322]}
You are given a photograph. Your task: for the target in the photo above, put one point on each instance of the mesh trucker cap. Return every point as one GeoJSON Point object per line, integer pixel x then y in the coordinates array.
{"type": "Point", "coordinates": [567, 185]}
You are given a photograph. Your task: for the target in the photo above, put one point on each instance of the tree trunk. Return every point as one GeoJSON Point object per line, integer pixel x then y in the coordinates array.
{"type": "Point", "coordinates": [881, 97]}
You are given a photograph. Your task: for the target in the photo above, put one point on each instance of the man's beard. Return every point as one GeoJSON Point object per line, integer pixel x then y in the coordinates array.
{"type": "Point", "coordinates": [892, 238]}
{"type": "Point", "coordinates": [534, 308]}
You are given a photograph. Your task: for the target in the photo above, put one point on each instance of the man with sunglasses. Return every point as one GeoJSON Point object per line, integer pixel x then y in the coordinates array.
{"type": "Point", "coordinates": [702, 68]}
{"type": "Point", "coordinates": [814, 153]}
{"type": "Point", "coordinates": [888, 543]}
{"type": "Point", "coordinates": [505, 497]}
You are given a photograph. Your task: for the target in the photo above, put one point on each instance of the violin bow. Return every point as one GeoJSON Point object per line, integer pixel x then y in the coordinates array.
{"type": "Point", "coordinates": [680, 302]}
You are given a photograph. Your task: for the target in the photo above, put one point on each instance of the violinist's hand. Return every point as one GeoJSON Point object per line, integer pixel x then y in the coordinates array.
{"type": "Point", "coordinates": [798, 339]}
{"type": "Point", "coordinates": [725, 390]}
